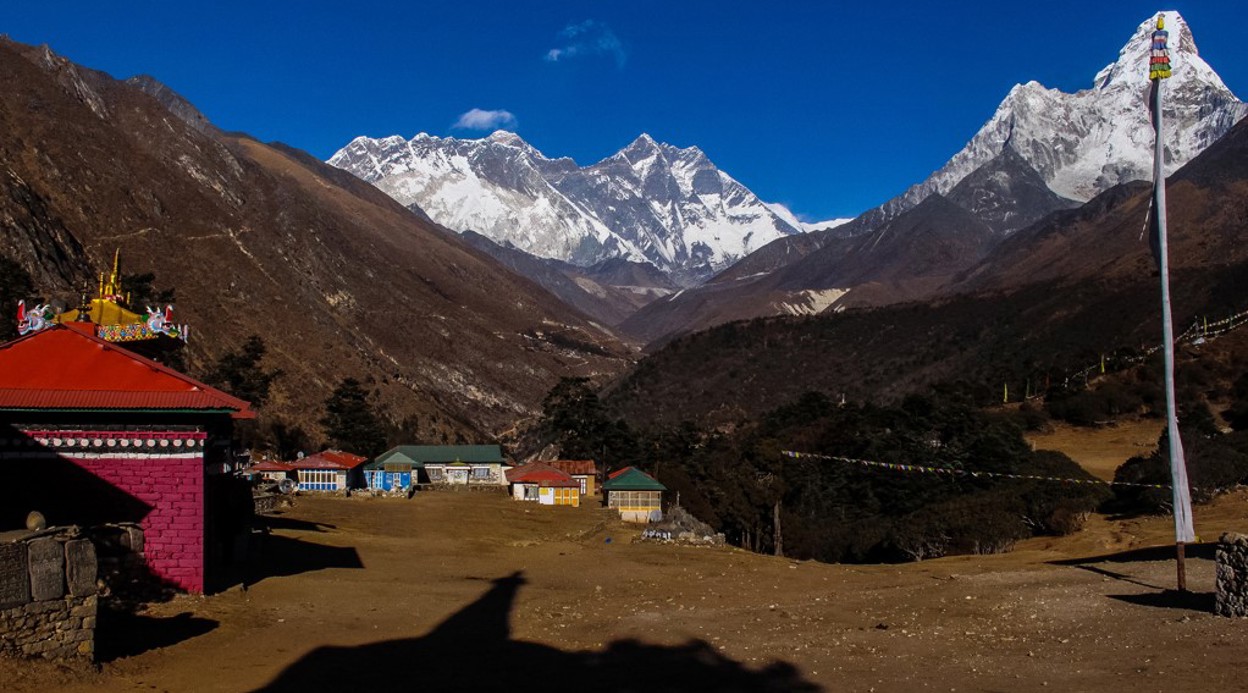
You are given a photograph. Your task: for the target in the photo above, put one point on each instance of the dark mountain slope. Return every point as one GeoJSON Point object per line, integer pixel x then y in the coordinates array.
{"type": "Point", "coordinates": [1207, 202]}
{"type": "Point", "coordinates": [603, 303]}
{"type": "Point", "coordinates": [1045, 302]}
{"type": "Point", "coordinates": [1007, 194]}
{"type": "Point", "coordinates": [337, 278]}
{"type": "Point", "coordinates": [905, 259]}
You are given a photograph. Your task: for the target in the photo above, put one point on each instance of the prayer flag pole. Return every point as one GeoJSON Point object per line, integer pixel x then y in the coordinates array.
{"type": "Point", "coordinates": [1159, 69]}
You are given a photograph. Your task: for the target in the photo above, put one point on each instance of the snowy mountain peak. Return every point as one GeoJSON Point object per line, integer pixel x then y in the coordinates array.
{"type": "Point", "coordinates": [1130, 70]}
{"type": "Point", "coordinates": [1084, 143]}
{"type": "Point", "coordinates": [649, 202]}
{"type": "Point", "coordinates": [506, 137]}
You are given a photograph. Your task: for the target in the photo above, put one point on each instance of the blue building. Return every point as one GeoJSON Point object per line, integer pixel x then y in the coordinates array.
{"type": "Point", "coordinates": [399, 468]}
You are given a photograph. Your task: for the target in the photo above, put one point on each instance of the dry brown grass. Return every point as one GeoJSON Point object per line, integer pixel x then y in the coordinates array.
{"type": "Point", "coordinates": [1103, 449]}
{"type": "Point", "coordinates": [1011, 622]}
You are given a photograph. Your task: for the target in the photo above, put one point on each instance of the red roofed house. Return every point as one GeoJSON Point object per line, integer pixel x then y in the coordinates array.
{"type": "Point", "coordinates": [583, 471]}
{"type": "Point", "coordinates": [272, 470]}
{"type": "Point", "coordinates": [92, 433]}
{"type": "Point", "coordinates": [538, 481]}
{"type": "Point", "coordinates": [329, 470]}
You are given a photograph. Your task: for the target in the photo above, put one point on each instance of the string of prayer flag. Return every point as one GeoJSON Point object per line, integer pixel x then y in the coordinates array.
{"type": "Point", "coordinates": [924, 469]}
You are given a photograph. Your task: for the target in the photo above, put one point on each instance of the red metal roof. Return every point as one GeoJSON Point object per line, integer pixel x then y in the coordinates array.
{"type": "Point", "coordinates": [329, 459]}
{"type": "Point", "coordinates": [271, 466]}
{"type": "Point", "coordinates": [618, 472]}
{"type": "Point", "coordinates": [575, 466]}
{"type": "Point", "coordinates": [561, 483]}
{"type": "Point", "coordinates": [538, 473]}
{"type": "Point", "coordinates": [63, 368]}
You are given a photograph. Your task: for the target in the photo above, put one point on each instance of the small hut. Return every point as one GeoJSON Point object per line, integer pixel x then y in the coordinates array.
{"type": "Point", "coordinates": [329, 470]}
{"type": "Point", "coordinates": [585, 472]}
{"type": "Point", "coordinates": [636, 495]}
{"type": "Point", "coordinates": [544, 484]}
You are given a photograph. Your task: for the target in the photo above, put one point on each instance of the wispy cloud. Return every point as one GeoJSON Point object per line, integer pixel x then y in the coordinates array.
{"type": "Point", "coordinates": [478, 119]}
{"type": "Point", "coordinates": [590, 37]}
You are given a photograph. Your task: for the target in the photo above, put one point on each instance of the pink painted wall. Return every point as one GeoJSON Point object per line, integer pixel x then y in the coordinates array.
{"type": "Point", "coordinates": [174, 529]}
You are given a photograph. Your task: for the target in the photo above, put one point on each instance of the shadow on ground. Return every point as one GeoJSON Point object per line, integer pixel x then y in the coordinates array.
{"type": "Point", "coordinates": [1163, 597]}
{"type": "Point", "coordinates": [1171, 599]}
{"type": "Point", "coordinates": [473, 651]}
{"type": "Point", "coordinates": [120, 633]}
{"type": "Point", "coordinates": [273, 555]}
{"type": "Point", "coordinates": [271, 522]}
{"type": "Point", "coordinates": [1204, 550]}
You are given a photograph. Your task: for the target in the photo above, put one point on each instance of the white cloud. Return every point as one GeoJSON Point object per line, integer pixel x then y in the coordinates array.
{"type": "Point", "coordinates": [478, 119]}
{"type": "Point", "coordinates": [590, 37]}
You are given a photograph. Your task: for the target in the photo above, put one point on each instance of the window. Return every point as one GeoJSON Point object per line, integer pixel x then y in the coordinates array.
{"type": "Point", "coordinates": [435, 473]}
{"type": "Point", "coordinates": [481, 473]}
{"type": "Point", "coordinates": [318, 479]}
{"type": "Point", "coordinates": [635, 499]}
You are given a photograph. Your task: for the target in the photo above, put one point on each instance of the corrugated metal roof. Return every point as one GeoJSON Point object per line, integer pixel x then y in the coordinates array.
{"type": "Point", "coordinates": [537, 473]}
{"type": "Point", "coordinates": [420, 454]}
{"type": "Point", "coordinates": [329, 459]}
{"type": "Point", "coordinates": [63, 368]}
{"type": "Point", "coordinates": [575, 466]}
{"type": "Point", "coordinates": [633, 479]}
{"type": "Point", "coordinates": [271, 466]}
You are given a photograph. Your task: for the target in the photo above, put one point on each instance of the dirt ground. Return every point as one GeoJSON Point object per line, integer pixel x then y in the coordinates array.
{"type": "Point", "coordinates": [470, 591]}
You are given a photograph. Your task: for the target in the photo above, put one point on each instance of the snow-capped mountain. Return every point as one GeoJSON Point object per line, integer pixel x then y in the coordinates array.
{"type": "Point", "coordinates": [1084, 143]}
{"type": "Point", "coordinates": [649, 202]}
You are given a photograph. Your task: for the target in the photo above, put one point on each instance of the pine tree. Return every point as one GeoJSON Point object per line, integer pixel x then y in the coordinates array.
{"type": "Point", "coordinates": [351, 421]}
{"type": "Point", "coordinates": [239, 373]}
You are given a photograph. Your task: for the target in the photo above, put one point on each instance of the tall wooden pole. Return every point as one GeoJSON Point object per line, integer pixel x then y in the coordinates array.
{"type": "Point", "coordinates": [1159, 69]}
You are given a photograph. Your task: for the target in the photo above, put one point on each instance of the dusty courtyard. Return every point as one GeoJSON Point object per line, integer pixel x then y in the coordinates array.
{"type": "Point", "coordinates": [470, 591]}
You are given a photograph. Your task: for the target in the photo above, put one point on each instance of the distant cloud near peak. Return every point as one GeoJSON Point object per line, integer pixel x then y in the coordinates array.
{"type": "Point", "coordinates": [590, 37]}
{"type": "Point", "coordinates": [478, 119]}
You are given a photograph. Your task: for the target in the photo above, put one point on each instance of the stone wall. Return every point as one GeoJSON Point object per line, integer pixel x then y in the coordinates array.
{"type": "Point", "coordinates": [47, 595]}
{"type": "Point", "coordinates": [1232, 575]}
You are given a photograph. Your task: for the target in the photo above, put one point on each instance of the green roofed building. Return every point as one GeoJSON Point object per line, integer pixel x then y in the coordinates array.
{"type": "Point", "coordinates": [635, 494]}
{"type": "Point", "coordinates": [467, 465]}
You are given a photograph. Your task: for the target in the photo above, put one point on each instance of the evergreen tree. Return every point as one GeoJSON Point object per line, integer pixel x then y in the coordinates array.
{"type": "Point", "coordinates": [239, 373]}
{"type": "Point", "coordinates": [140, 292]}
{"type": "Point", "coordinates": [351, 421]}
{"type": "Point", "coordinates": [574, 419]}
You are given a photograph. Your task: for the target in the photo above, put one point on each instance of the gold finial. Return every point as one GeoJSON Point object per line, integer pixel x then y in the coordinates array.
{"type": "Point", "coordinates": [1161, 21]}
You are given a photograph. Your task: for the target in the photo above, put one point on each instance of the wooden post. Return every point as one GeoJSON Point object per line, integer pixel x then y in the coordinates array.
{"type": "Point", "coordinates": [779, 539]}
{"type": "Point", "coordinates": [1180, 551]}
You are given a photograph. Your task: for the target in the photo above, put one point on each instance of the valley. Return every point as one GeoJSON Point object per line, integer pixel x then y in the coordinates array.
{"type": "Point", "coordinates": [922, 448]}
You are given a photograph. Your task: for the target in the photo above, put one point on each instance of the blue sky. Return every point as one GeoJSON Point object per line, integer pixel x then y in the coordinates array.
{"type": "Point", "coordinates": [828, 107]}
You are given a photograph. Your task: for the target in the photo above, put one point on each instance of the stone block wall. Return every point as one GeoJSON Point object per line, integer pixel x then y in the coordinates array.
{"type": "Point", "coordinates": [48, 596]}
{"type": "Point", "coordinates": [1232, 575]}
{"type": "Point", "coordinates": [174, 528]}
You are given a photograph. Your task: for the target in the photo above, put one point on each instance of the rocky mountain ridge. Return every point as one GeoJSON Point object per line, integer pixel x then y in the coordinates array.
{"type": "Point", "coordinates": [649, 202]}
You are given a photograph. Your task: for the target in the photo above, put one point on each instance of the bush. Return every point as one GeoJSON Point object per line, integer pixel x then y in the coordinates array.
{"type": "Point", "coordinates": [838, 511]}
{"type": "Point", "coordinates": [1216, 462]}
